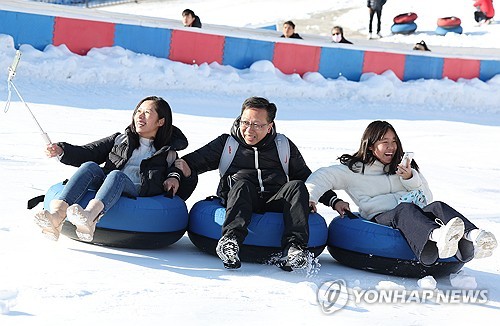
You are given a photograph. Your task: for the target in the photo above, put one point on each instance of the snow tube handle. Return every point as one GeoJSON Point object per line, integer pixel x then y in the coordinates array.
{"type": "Point", "coordinates": [351, 215]}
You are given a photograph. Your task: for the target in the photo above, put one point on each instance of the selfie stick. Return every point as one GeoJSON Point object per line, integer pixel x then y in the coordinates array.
{"type": "Point", "coordinates": [10, 84]}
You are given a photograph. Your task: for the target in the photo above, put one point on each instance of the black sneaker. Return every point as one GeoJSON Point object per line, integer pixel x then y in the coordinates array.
{"type": "Point", "coordinates": [294, 257]}
{"type": "Point", "coordinates": [227, 250]}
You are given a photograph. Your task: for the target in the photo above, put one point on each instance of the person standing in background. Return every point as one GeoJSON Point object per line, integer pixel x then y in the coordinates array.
{"type": "Point", "coordinates": [375, 7]}
{"type": "Point", "coordinates": [485, 11]}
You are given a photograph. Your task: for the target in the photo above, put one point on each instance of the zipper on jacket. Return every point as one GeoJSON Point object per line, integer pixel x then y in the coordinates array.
{"type": "Point", "coordinates": [259, 172]}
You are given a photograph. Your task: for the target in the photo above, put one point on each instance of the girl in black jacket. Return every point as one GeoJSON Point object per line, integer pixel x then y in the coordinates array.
{"type": "Point", "coordinates": [138, 162]}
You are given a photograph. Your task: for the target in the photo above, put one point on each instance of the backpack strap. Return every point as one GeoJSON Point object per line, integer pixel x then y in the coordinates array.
{"type": "Point", "coordinates": [231, 146]}
{"type": "Point", "coordinates": [283, 146]}
{"type": "Point", "coordinates": [227, 155]}
{"type": "Point", "coordinates": [171, 157]}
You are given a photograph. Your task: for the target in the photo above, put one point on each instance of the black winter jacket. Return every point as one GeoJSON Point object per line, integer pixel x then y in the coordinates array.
{"type": "Point", "coordinates": [196, 22]}
{"type": "Point", "coordinates": [249, 161]}
{"type": "Point", "coordinates": [114, 151]}
{"type": "Point", "coordinates": [294, 35]}
{"type": "Point", "coordinates": [375, 4]}
{"type": "Point", "coordinates": [343, 40]}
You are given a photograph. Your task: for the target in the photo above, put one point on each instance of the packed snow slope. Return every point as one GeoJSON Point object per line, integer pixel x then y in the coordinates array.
{"type": "Point", "coordinates": [453, 128]}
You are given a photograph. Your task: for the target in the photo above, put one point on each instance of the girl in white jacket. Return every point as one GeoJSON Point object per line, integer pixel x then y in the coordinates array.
{"type": "Point", "coordinates": [394, 194]}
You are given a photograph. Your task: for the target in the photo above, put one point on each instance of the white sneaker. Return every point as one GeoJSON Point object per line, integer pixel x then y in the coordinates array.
{"type": "Point", "coordinates": [484, 244]}
{"type": "Point", "coordinates": [379, 35]}
{"type": "Point", "coordinates": [370, 37]}
{"type": "Point", "coordinates": [448, 237]}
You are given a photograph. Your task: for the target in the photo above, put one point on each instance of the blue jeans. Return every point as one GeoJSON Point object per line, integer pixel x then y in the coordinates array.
{"type": "Point", "coordinates": [90, 176]}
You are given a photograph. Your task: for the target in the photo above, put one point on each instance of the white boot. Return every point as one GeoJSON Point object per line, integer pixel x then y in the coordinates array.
{"type": "Point", "coordinates": [447, 237]}
{"type": "Point", "coordinates": [484, 242]}
{"type": "Point", "coordinates": [86, 219]}
{"type": "Point", "coordinates": [51, 221]}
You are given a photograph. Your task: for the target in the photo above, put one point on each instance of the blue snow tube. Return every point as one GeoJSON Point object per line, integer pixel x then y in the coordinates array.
{"type": "Point", "coordinates": [406, 28]}
{"type": "Point", "coordinates": [142, 223]}
{"type": "Point", "coordinates": [265, 231]}
{"type": "Point", "coordinates": [366, 245]}
{"type": "Point", "coordinates": [445, 30]}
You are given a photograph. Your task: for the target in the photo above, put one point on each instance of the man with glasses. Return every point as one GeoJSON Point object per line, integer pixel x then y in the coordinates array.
{"type": "Point", "coordinates": [255, 181]}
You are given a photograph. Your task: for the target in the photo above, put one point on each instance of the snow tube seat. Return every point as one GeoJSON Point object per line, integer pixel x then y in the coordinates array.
{"type": "Point", "coordinates": [445, 30]}
{"type": "Point", "coordinates": [406, 28]}
{"type": "Point", "coordinates": [141, 223]}
{"type": "Point", "coordinates": [451, 21]}
{"type": "Point", "coordinates": [263, 242]}
{"type": "Point", "coordinates": [366, 245]}
{"type": "Point", "coordinates": [405, 18]}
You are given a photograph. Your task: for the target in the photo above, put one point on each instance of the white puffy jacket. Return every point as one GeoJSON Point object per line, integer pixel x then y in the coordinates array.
{"type": "Point", "coordinates": [373, 191]}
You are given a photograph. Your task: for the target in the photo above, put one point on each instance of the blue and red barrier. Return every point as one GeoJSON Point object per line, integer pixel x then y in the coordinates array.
{"type": "Point", "coordinates": [196, 46]}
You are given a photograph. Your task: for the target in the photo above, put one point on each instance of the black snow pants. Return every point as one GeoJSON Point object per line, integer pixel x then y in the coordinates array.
{"type": "Point", "coordinates": [292, 199]}
{"type": "Point", "coordinates": [416, 224]}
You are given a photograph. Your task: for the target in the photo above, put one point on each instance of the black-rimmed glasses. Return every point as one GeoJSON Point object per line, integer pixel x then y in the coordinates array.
{"type": "Point", "coordinates": [255, 126]}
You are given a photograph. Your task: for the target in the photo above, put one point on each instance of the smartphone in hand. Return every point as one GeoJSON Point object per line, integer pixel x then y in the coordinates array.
{"type": "Point", "coordinates": [407, 157]}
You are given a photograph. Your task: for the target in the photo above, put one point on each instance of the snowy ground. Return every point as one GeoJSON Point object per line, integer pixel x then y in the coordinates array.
{"type": "Point", "coordinates": [453, 128]}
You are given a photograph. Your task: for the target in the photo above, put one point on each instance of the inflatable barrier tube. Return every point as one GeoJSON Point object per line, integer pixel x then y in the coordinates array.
{"type": "Point", "coordinates": [142, 223]}
{"type": "Point", "coordinates": [403, 28]}
{"type": "Point", "coordinates": [263, 241]}
{"type": "Point", "coordinates": [443, 31]}
{"type": "Point", "coordinates": [366, 245]}
{"type": "Point", "coordinates": [406, 18]}
{"type": "Point", "coordinates": [449, 21]}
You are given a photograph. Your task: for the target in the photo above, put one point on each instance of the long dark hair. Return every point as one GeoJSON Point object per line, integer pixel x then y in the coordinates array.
{"type": "Point", "coordinates": [164, 133]}
{"type": "Point", "coordinates": [374, 132]}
